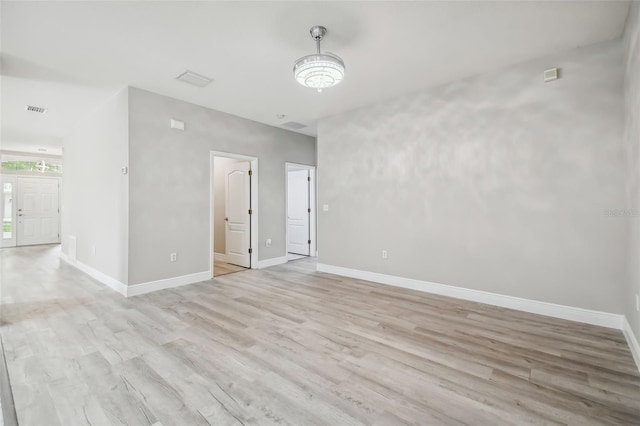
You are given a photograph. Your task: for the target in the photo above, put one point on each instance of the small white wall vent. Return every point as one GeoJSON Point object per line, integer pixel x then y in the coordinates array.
{"type": "Point", "coordinates": [194, 78]}
{"type": "Point", "coordinates": [293, 125]}
{"type": "Point", "coordinates": [37, 109]}
{"type": "Point", "coordinates": [551, 74]}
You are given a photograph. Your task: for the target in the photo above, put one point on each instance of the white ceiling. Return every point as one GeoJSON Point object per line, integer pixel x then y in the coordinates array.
{"type": "Point", "coordinates": [71, 56]}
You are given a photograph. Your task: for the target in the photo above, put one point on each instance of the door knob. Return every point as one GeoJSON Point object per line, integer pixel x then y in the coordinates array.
{"type": "Point", "coordinates": [226, 219]}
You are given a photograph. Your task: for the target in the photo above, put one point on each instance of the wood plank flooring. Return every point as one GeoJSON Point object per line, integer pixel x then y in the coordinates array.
{"type": "Point", "coordinates": [290, 346]}
{"type": "Point", "coordinates": [224, 268]}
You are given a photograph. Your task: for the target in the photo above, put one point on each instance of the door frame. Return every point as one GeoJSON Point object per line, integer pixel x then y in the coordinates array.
{"type": "Point", "coordinates": [254, 206]}
{"type": "Point", "coordinates": [313, 220]}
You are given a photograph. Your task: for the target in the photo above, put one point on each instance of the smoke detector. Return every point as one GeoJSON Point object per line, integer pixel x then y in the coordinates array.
{"type": "Point", "coordinates": [194, 79]}
{"type": "Point", "coordinates": [37, 109]}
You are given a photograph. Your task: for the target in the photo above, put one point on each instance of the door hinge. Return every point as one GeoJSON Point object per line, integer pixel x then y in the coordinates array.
{"type": "Point", "coordinates": [308, 241]}
{"type": "Point", "coordinates": [250, 172]}
{"type": "Point", "coordinates": [250, 211]}
{"type": "Point", "coordinates": [250, 251]}
{"type": "Point", "coordinates": [308, 210]}
{"type": "Point", "coordinates": [309, 178]}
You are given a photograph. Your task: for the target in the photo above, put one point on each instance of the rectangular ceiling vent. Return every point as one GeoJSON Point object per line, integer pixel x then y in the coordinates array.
{"type": "Point", "coordinates": [37, 109]}
{"type": "Point", "coordinates": [194, 78]}
{"type": "Point", "coordinates": [551, 75]}
{"type": "Point", "coordinates": [292, 125]}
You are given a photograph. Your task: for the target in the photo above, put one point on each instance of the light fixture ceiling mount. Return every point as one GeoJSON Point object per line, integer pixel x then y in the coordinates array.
{"type": "Point", "coordinates": [319, 70]}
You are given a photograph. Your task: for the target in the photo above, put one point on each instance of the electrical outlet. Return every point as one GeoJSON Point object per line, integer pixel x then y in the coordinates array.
{"type": "Point", "coordinates": [174, 257]}
{"type": "Point", "coordinates": [385, 254]}
{"type": "Point", "coordinates": [268, 243]}
{"type": "Point", "coordinates": [325, 207]}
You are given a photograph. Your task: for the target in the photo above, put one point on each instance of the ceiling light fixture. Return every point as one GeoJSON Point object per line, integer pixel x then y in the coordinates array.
{"type": "Point", "coordinates": [319, 70]}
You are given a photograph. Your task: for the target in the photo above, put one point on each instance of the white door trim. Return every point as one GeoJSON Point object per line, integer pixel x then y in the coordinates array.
{"type": "Point", "coordinates": [313, 226]}
{"type": "Point", "coordinates": [254, 205]}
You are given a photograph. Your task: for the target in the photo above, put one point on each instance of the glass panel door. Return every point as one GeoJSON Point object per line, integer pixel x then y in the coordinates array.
{"type": "Point", "coordinates": [8, 210]}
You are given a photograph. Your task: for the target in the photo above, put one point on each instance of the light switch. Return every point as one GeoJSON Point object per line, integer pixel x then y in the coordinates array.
{"type": "Point", "coordinates": [177, 124]}
{"type": "Point", "coordinates": [325, 207]}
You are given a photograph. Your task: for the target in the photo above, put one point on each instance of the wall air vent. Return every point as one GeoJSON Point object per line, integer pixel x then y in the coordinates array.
{"type": "Point", "coordinates": [195, 79]}
{"type": "Point", "coordinates": [292, 125]}
{"type": "Point", "coordinates": [37, 109]}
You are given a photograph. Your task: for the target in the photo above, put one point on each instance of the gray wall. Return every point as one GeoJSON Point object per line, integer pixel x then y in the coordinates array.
{"type": "Point", "coordinates": [632, 141]}
{"type": "Point", "coordinates": [169, 182]}
{"type": "Point", "coordinates": [94, 191]}
{"type": "Point", "coordinates": [497, 183]}
{"type": "Point", "coordinates": [219, 202]}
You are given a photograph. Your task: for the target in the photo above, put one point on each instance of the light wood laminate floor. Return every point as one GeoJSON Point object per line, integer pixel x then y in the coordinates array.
{"type": "Point", "coordinates": [224, 268]}
{"type": "Point", "coordinates": [288, 345]}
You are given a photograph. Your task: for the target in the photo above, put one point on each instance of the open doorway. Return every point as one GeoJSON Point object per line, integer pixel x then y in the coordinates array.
{"type": "Point", "coordinates": [301, 211]}
{"type": "Point", "coordinates": [233, 213]}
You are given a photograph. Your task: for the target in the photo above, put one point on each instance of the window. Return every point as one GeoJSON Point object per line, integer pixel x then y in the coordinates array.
{"type": "Point", "coordinates": [17, 163]}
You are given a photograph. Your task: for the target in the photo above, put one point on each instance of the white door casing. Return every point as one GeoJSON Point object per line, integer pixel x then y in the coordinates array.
{"type": "Point", "coordinates": [298, 212]}
{"type": "Point", "coordinates": [38, 211]}
{"type": "Point", "coordinates": [237, 217]}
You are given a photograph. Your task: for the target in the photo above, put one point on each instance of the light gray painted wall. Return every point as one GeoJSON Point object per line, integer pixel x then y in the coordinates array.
{"type": "Point", "coordinates": [497, 183]}
{"type": "Point", "coordinates": [169, 182]}
{"type": "Point", "coordinates": [94, 190]}
{"type": "Point", "coordinates": [219, 202]}
{"type": "Point", "coordinates": [632, 141]}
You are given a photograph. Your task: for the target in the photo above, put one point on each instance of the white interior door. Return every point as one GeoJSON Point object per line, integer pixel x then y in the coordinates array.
{"type": "Point", "coordinates": [237, 217]}
{"type": "Point", "coordinates": [8, 209]}
{"type": "Point", "coordinates": [298, 212]}
{"type": "Point", "coordinates": [38, 211]}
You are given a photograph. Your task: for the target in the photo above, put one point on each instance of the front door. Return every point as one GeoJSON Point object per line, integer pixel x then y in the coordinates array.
{"type": "Point", "coordinates": [237, 217]}
{"type": "Point", "coordinates": [38, 211]}
{"type": "Point", "coordinates": [298, 212]}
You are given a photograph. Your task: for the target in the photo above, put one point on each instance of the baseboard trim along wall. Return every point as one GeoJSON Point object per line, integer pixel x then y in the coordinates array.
{"type": "Point", "coordinates": [603, 319]}
{"type": "Point", "coordinates": [142, 288]}
{"type": "Point", "coordinates": [137, 289]}
{"type": "Point", "coordinates": [267, 263]}
{"type": "Point", "coordinates": [105, 279]}
{"type": "Point", "coordinates": [220, 256]}
{"type": "Point", "coordinates": [634, 346]}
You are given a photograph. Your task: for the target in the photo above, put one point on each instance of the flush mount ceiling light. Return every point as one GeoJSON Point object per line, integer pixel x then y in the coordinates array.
{"type": "Point", "coordinates": [319, 70]}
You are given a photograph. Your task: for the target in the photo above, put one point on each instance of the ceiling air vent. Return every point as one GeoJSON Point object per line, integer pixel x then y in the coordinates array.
{"type": "Point", "coordinates": [194, 78]}
{"type": "Point", "coordinates": [37, 109]}
{"type": "Point", "coordinates": [292, 125]}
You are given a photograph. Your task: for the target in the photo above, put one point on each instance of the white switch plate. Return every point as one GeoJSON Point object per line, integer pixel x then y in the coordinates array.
{"type": "Point", "coordinates": [637, 303]}
{"type": "Point", "coordinates": [325, 207]}
{"type": "Point", "coordinates": [268, 243]}
{"type": "Point", "coordinates": [124, 170]}
{"type": "Point", "coordinates": [385, 254]}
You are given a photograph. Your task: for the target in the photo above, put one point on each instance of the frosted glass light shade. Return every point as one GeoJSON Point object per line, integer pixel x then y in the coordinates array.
{"type": "Point", "coordinates": [319, 70]}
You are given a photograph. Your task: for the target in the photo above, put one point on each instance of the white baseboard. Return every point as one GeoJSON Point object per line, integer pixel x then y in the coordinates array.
{"type": "Point", "coordinates": [603, 319]}
{"type": "Point", "coordinates": [137, 289]}
{"type": "Point", "coordinates": [632, 340]}
{"type": "Point", "coordinates": [220, 256]}
{"type": "Point", "coordinates": [272, 262]}
{"type": "Point", "coordinates": [105, 279]}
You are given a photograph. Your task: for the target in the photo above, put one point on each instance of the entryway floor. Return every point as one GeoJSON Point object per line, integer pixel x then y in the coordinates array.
{"type": "Point", "coordinates": [293, 256]}
{"type": "Point", "coordinates": [224, 268]}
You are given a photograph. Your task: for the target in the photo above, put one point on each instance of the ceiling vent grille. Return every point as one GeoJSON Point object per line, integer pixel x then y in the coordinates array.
{"type": "Point", "coordinates": [37, 109]}
{"type": "Point", "coordinates": [292, 125]}
{"type": "Point", "coordinates": [194, 78]}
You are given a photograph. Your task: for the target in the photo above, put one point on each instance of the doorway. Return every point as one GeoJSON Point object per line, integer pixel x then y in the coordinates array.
{"type": "Point", "coordinates": [30, 209]}
{"type": "Point", "coordinates": [301, 211]}
{"type": "Point", "coordinates": [233, 213]}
